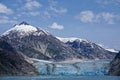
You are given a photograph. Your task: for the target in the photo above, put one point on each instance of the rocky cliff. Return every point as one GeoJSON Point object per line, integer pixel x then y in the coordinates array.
{"type": "Point", "coordinates": [115, 66]}
{"type": "Point", "coordinates": [14, 63]}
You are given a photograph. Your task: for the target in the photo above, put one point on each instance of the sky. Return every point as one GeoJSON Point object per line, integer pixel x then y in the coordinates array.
{"type": "Point", "coordinates": [95, 20]}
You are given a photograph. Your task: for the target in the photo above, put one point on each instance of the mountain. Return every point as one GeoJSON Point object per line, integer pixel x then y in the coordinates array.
{"type": "Point", "coordinates": [37, 43]}
{"type": "Point", "coordinates": [14, 63]}
{"type": "Point", "coordinates": [115, 66]}
{"type": "Point", "coordinates": [88, 49]}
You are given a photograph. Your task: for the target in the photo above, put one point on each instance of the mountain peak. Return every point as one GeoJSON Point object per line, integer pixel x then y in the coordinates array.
{"type": "Point", "coordinates": [24, 29]}
{"type": "Point", "coordinates": [23, 23]}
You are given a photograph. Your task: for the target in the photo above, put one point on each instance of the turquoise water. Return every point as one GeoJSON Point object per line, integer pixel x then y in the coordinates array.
{"type": "Point", "coordinates": [61, 78]}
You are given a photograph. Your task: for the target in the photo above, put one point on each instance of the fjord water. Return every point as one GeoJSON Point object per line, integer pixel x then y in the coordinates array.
{"type": "Point", "coordinates": [61, 78]}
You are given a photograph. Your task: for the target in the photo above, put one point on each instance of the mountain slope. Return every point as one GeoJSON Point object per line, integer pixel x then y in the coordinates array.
{"type": "Point", "coordinates": [12, 62]}
{"type": "Point", "coordinates": [115, 66]}
{"type": "Point", "coordinates": [88, 49]}
{"type": "Point", "coordinates": [37, 43]}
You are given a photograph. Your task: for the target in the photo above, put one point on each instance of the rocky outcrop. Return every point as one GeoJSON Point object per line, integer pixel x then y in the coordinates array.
{"type": "Point", "coordinates": [14, 63]}
{"type": "Point", "coordinates": [115, 66]}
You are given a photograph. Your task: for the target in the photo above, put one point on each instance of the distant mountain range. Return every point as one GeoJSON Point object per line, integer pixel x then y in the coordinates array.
{"type": "Point", "coordinates": [71, 39]}
{"type": "Point", "coordinates": [37, 43]}
{"type": "Point", "coordinates": [88, 49]}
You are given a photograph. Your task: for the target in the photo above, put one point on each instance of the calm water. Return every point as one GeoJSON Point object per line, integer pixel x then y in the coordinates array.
{"type": "Point", "coordinates": [62, 78]}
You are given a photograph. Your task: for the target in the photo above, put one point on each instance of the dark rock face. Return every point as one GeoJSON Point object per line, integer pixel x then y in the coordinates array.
{"type": "Point", "coordinates": [90, 50]}
{"type": "Point", "coordinates": [13, 63]}
{"type": "Point", "coordinates": [115, 66]}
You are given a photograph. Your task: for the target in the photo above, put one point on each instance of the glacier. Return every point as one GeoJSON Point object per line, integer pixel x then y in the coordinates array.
{"type": "Point", "coordinates": [82, 68]}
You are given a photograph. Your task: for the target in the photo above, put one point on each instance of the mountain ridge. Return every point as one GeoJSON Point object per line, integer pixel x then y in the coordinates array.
{"type": "Point", "coordinates": [37, 43]}
{"type": "Point", "coordinates": [71, 39]}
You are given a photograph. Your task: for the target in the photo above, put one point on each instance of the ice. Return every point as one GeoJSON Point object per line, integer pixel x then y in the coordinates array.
{"type": "Point", "coordinates": [93, 67]}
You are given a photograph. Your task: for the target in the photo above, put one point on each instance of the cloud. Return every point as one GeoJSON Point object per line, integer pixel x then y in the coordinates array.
{"type": "Point", "coordinates": [57, 26]}
{"type": "Point", "coordinates": [29, 13]}
{"type": "Point", "coordinates": [46, 13]}
{"type": "Point", "coordinates": [29, 8]}
{"type": "Point", "coordinates": [5, 10]}
{"type": "Point", "coordinates": [60, 10]}
{"type": "Point", "coordinates": [53, 7]}
{"type": "Point", "coordinates": [106, 2]}
{"type": "Point", "coordinates": [108, 17]}
{"type": "Point", "coordinates": [6, 20]}
{"type": "Point", "coordinates": [86, 16]}
{"type": "Point", "coordinates": [32, 4]}
{"type": "Point", "coordinates": [34, 13]}
{"type": "Point", "coordinates": [91, 17]}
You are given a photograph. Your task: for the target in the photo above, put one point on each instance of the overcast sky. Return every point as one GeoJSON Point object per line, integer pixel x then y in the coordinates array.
{"type": "Point", "coordinates": [94, 20]}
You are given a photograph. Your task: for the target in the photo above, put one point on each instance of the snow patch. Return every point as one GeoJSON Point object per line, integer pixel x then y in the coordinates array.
{"type": "Point", "coordinates": [108, 49]}
{"type": "Point", "coordinates": [71, 39]}
{"type": "Point", "coordinates": [21, 29]}
{"type": "Point", "coordinates": [41, 61]}
{"type": "Point", "coordinates": [24, 29]}
{"type": "Point", "coordinates": [112, 50]}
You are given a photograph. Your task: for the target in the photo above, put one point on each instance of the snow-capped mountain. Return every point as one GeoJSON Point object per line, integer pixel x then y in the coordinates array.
{"type": "Point", "coordinates": [37, 43]}
{"type": "Point", "coordinates": [87, 48]}
{"type": "Point", "coordinates": [24, 29]}
{"type": "Point", "coordinates": [72, 39]}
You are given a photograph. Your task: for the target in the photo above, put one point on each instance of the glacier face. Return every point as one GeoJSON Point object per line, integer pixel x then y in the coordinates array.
{"type": "Point", "coordinates": [91, 67]}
